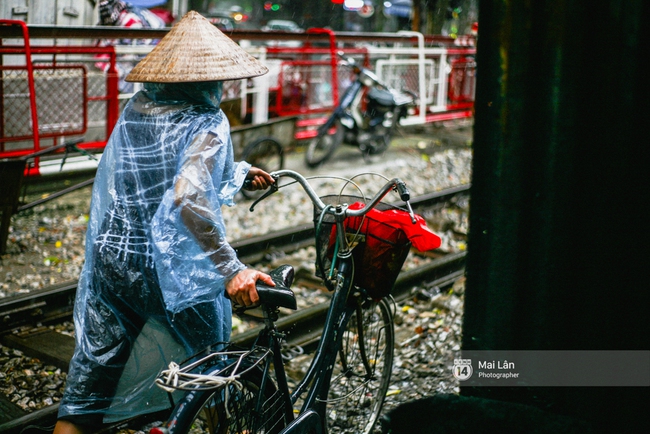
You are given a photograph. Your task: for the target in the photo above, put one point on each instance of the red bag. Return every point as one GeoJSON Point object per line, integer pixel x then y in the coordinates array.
{"type": "Point", "coordinates": [382, 240]}
{"type": "Point", "coordinates": [419, 234]}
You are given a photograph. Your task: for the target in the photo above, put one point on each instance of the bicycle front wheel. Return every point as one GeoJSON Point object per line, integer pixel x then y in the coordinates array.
{"type": "Point", "coordinates": [243, 408]}
{"type": "Point", "coordinates": [362, 374]}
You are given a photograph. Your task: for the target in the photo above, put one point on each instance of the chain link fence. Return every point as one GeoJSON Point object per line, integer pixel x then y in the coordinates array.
{"type": "Point", "coordinates": [60, 102]}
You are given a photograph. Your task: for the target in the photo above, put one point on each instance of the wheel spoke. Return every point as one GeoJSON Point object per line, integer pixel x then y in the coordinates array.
{"type": "Point", "coordinates": [359, 385]}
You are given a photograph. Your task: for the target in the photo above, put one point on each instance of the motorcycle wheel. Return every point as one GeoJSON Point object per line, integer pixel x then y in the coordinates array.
{"type": "Point", "coordinates": [380, 142]}
{"type": "Point", "coordinates": [381, 137]}
{"type": "Point", "coordinates": [322, 146]}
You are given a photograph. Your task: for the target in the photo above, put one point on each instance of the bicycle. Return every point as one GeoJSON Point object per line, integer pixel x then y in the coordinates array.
{"type": "Point", "coordinates": [231, 390]}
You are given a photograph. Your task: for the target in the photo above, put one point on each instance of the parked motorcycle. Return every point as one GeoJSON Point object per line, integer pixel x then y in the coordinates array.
{"type": "Point", "coordinates": [365, 117]}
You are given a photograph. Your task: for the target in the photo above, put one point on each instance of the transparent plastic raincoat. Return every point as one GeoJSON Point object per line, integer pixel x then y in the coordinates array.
{"type": "Point", "coordinates": [157, 259]}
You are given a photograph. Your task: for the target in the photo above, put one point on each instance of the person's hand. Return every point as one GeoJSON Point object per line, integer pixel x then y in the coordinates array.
{"type": "Point", "coordinates": [260, 180]}
{"type": "Point", "coordinates": [241, 288]}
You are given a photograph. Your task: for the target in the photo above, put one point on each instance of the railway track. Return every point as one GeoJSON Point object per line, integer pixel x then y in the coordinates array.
{"type": "Point", "coordinates": [25, 318]}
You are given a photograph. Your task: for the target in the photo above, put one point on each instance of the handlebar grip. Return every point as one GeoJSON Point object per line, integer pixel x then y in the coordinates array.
{"type": "Point", "coordinates": [403, 191]}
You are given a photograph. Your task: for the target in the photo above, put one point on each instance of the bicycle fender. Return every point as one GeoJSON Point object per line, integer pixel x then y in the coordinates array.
{"type": "Point", "coordinates": [308, 422]}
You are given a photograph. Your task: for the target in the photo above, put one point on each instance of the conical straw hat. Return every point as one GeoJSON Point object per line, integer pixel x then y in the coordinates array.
{"type": "Point", "coordinates": [195, 50]}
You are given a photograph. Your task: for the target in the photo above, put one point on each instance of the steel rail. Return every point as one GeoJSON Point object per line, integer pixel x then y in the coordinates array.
{"type": "Point", "coordinates": [48, 305]}
{"type": "Point", "coordinates": [302, 328]}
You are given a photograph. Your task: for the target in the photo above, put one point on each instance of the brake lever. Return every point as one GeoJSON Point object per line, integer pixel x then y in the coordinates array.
{"type": "Point", "coordinates": [405, 195]}
{"type": "Point", "coordinates": [272, 189]}
{"type": "Point", "coordinates": [408, 205]}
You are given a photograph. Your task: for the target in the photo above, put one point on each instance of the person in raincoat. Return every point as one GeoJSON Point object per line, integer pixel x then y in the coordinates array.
{"type": "Point", "coordinates": [159, 274]}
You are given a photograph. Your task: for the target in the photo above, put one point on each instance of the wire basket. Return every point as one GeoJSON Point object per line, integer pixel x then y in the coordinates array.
{"type": "Point", "coordinates": [378, 249]}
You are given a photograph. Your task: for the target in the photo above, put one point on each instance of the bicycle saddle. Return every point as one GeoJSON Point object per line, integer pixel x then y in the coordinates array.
{"type": "Point", "coordinates": [281, 294]}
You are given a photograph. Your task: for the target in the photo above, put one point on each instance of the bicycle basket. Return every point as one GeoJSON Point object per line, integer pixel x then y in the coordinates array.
{"type": "Point", "coordinates": [379, 249]}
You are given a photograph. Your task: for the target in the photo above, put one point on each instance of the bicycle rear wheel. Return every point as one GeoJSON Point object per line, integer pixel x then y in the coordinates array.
{"type": "Point", "coordinates": [246, 409]}
{"type": "Point", "coordinates": [362, 373]}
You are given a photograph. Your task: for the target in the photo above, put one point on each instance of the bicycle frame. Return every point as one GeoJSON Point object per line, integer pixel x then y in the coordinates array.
{"type": "Point", "coordinates": [317, 379]}
{"type": "Point", "coordinates": [320, 370]}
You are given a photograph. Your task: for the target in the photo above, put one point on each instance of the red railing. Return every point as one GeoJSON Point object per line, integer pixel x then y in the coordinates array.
{"type": "Point", "coordinates": [308, 84]}
{"type": "Point", "coordinates": [49, 85]}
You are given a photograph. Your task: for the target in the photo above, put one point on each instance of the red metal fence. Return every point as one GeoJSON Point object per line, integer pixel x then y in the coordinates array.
{"type": "Point", "coordinates": [51, 93]}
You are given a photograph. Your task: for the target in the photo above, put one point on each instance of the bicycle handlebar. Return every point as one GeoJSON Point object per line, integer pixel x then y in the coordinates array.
{"type": "Point", "coordinates": [394, 183]}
